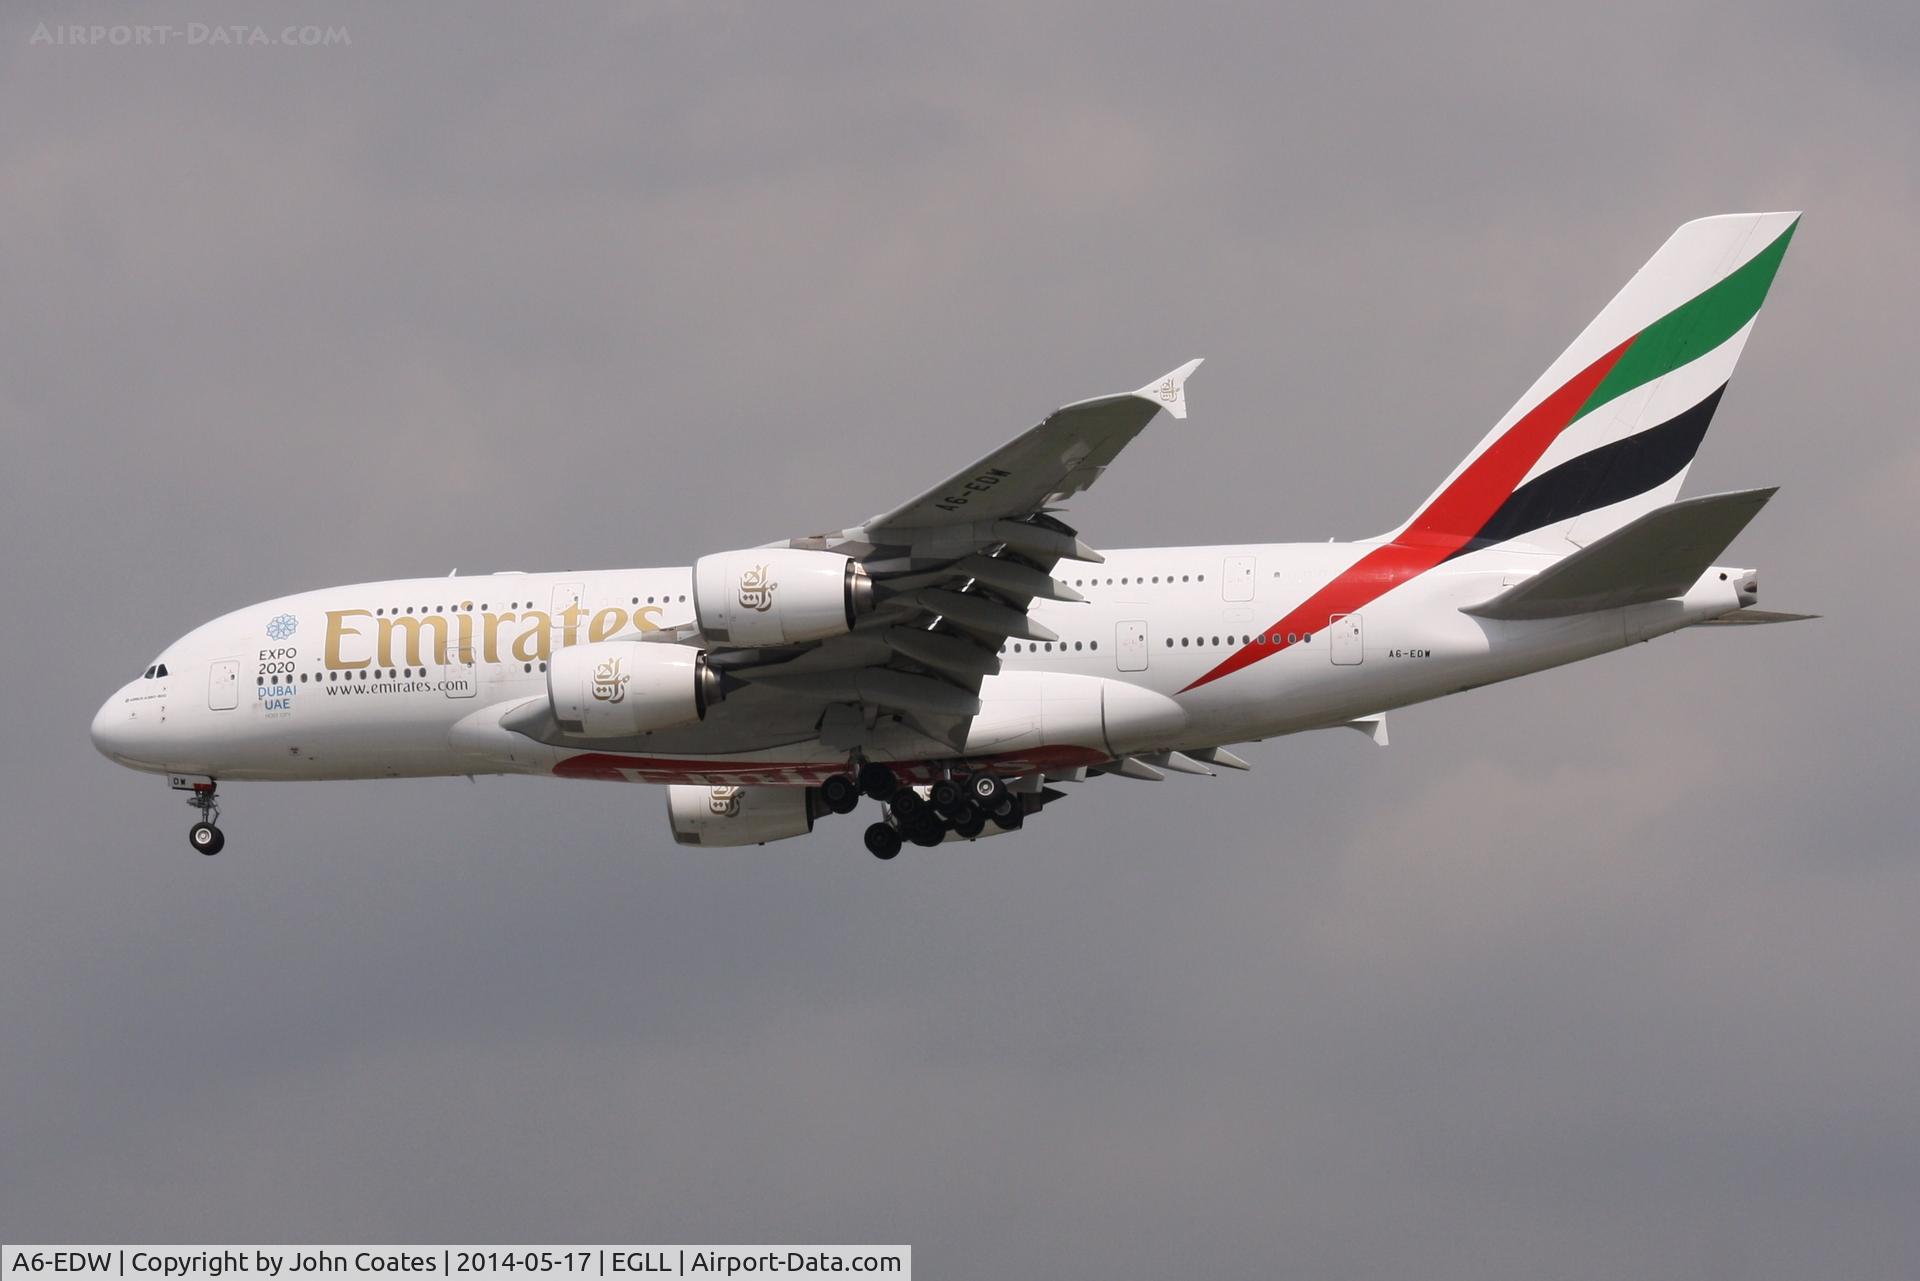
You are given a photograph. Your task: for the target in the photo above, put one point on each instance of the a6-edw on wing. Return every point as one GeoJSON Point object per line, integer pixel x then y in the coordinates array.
{"type": "Point", "coordinates": [1040, 468]}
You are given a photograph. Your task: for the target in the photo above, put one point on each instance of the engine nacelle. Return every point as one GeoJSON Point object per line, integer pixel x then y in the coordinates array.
{"type": "Point", "coordinates": [740, 815]}
{"type": "Point", "coordinates": [778, 595]}
{"type": "Point", "coordinates": [616, 689]}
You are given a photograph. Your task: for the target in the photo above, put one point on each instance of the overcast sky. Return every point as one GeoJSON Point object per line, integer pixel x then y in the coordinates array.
{"type": "Point", "coordinates": [1611, 972]}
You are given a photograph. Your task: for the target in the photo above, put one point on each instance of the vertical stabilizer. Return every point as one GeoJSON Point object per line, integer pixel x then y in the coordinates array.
{"type": "Point", "coordinates": [1608, 431]}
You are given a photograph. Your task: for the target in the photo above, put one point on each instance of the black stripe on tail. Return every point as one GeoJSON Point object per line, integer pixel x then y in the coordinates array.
{"type": "Point", "coordinates": [1600, 477]}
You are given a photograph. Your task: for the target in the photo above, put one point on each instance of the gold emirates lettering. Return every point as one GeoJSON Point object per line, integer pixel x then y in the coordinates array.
{"type": "Point", "coordinates": [423, 638]}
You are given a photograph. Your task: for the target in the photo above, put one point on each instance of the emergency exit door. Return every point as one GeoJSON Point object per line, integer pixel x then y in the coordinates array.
{"type": "Point", "coordinates": [1236, 578]}
{"type": "Point", "coordinates": [457, 677]}
{"type": "Point", "coordinates": [1130, 646]}
{"type": "Point", "coordinates": [223, 685]}
{"type": "Point", "coordinates": [1345, 640]}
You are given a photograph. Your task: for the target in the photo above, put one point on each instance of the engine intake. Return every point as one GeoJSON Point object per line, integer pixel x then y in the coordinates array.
{"type": "Point", "coordinates": [778, 595]}
{"type": "Point", "coordinates": [741, 815]}
{"type": "Point", "coordinates": [616, 689]}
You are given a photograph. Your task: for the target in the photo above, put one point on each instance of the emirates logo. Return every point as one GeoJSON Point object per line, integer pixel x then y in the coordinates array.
{"type": "Point", "coordinates": [756, 590]}
{"type": "Point", "coordinates": [724, 802]}
{"type": "Point", "coordinates": [609, 682]}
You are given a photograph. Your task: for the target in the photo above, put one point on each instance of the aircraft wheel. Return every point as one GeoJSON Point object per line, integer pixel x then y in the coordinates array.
{"type": "Point", "coordinates": [841, 794]}
{"type": "Point", "coordinates": [948, 797]}
{"type": "Point", "coordinates": [988, 791]}
{"type": "Point", "coordinates": [971, 824]}
{"type": "Point", "coordinates": [877, 781]}
{"type": "Point", "coordinates": [1012, 820]}
{"type": "Point", "coordinates": [882, 841]}
{"type": "Point", "coordinates": [207, 838]}
{"type": "Point", "coordinates": [928, 832]}
{"type": "Point", "coordinates": [907, 805]}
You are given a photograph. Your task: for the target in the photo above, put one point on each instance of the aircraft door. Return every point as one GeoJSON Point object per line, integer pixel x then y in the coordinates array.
{"type": "Point", "coordinates": [1236, 579]}
{"type": "Point", "coordinates": [223, 685]}
{"type": "Point", "coordinates": [1130, 646]}
{"type": "Point", "coordinates": [457, 677]}
{"type": "Point", "coordinates": [1344, 637]}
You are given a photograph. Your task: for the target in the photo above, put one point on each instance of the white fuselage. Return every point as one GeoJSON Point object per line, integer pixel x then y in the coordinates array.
{"type": "Point", "coordinates": [411, 678]}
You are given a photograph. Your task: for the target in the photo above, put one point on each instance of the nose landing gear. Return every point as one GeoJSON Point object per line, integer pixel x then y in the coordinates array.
{"type": "Point", "coordinates": [204, 836]}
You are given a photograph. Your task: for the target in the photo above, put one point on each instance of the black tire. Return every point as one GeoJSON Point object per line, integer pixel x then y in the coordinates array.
{"type": "Point", "coordinates": [948, 797]}
{"type": "Point", "coordinates": [206, 838]}
{"type": "Point", "coordinates": [970, 824]}
{"type": "Point", "coordinates": [907, 805]}
{"type": "Point", "coordinates": [882, 841]}
{"type": "Point", "coordinates": [841, 794]}
{"type": "Point", "coordinates": [1012, 820]}
{"type": "Point", "coordinates": [878, 781]}
{"type": "Point", "coordinates": [987, 790]}
{"type": "Point", "coordinates": [927, 832]}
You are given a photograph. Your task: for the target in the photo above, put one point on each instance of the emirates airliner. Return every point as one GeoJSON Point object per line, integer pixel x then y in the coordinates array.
{"type": "Point", "coordinates": [965, 658]}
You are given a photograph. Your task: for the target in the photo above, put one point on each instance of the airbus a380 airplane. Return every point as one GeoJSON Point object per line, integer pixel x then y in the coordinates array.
{"type": "Point", "coordinates": [959, 657]}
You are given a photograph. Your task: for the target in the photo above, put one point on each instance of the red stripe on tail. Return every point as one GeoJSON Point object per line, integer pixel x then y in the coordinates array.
{"type": "Point", "coordinates": [1445, 525]}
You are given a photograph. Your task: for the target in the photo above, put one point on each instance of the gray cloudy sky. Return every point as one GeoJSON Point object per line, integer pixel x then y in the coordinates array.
{"type": "Point", "coordinates": [1611, 972]}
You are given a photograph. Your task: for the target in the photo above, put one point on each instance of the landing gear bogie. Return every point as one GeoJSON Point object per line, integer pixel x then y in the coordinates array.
{"type": "Point", "coordinates": [206, 838]}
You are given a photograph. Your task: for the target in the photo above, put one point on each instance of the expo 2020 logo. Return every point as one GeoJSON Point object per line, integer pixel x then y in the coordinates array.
{"type": "Point", "coordinates": [282, 627]}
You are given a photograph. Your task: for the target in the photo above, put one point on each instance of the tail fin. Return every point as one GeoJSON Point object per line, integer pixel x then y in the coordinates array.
{"type": "Point", "coordinates": [1609, 430]}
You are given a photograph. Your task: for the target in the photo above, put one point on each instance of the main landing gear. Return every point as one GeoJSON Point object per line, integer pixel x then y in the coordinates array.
{"type": "Point", "coordinates": [204, 836]}
{"type": "Point", "coordinates": [960, 806]}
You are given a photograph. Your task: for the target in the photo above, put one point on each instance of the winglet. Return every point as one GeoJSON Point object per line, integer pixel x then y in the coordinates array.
{"type": "Point", "coordinates": [1170, 390]}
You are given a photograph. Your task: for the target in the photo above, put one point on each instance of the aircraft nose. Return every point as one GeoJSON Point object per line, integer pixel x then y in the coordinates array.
{"type": "Point", "coordinates": [119, 731]}
{"type": "Point", "coordinates": [109, 728]}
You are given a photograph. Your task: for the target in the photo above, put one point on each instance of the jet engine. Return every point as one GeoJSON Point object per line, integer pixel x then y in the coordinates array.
{"type": "Point", "coordinates": [741, 815]}
{"type": "Point", "coordinates": [778, 595]}
{"type": "Point", "coordinates": [615, 689]}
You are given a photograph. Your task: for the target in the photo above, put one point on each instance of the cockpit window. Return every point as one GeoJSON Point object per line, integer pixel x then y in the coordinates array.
{"type": "Point", "coordinates": [155, 672]}
{"type": "Point", "coordinates": [150, 672]}
{"type": "Point", "coordinates": [160, 670]}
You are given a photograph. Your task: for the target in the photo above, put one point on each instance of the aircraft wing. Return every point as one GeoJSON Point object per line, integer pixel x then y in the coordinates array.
{"type": "Point", "coordinates": [1044, 466]}
{"type": "Point", "coordinates": [955, 571]}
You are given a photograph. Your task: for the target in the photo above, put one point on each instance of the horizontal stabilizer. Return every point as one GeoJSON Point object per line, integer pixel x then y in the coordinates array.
{"type": "Point", "coordinates": [1659, 556]}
